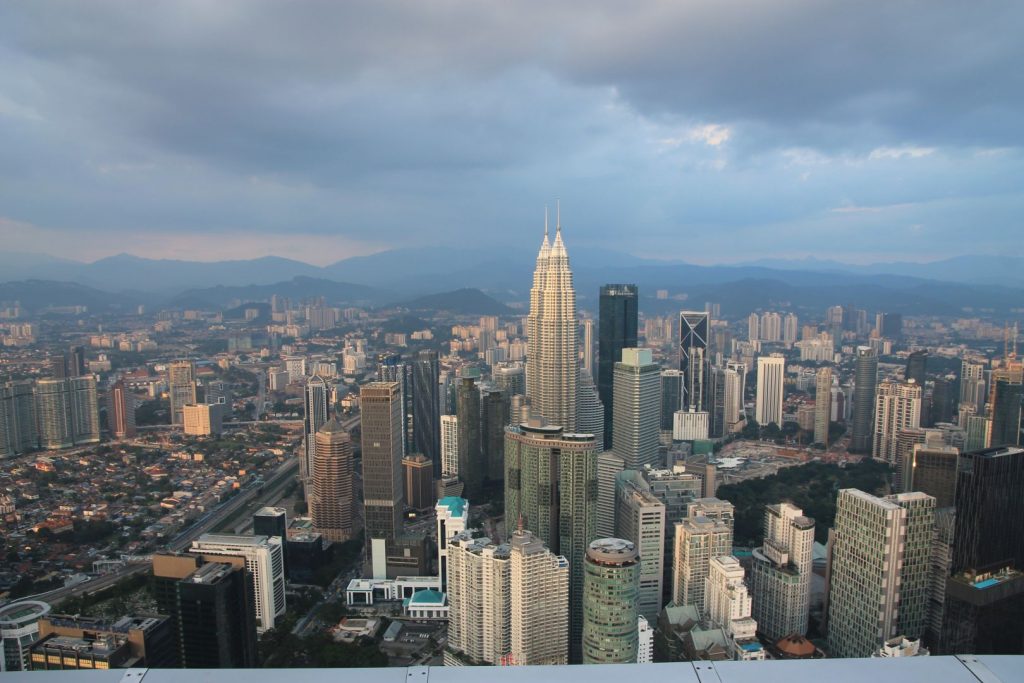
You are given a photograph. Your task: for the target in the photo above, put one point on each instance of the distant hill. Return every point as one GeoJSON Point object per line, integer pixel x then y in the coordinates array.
{"type": "Point", "coordinates": [297, 288]}
{"type": "Point", "coordinates": [460, 302]}
{"type": "Point", "coordinates": [35, 296]}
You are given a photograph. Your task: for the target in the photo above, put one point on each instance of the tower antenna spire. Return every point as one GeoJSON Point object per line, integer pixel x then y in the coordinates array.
{"type": "Point", "coordinates": [558, 215]}
{"type": "Point", "coordinates": [545, 221]}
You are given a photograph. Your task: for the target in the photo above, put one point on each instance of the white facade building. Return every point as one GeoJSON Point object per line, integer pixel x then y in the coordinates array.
{"type": "Point", "coordinates": [636, 408]}
{"type": "Point", "coordinates": [727, 603]}
{"type": "Point", "coordinates": [449, 446]}
{"type": "Point", "coordinates": [264, 561]}
{"type": "Point", "coordinates": [780, 576]}
{"type": "Point", "coordinates": [897, 407]}
{"type": "Point", "coordinates": [771, 375]}
{"type": "Point", "coordinates": [689, 425]}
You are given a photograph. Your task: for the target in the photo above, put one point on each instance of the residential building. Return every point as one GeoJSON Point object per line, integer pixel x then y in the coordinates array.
{"type": "Point", "coordinates": [771, 376]}
{"type": "Point", "coordinates": [727, 604]}
{"type": "Point", "coordinates": [449, 445]}
{"type": "Point", "coordinates": [120, 411]}
{"type": "Point", "coordinates": [452, 518]}
{"type": "Point", "coordinates": [822, 405]}
{"type": "Point", "coordinates": [780, 577]}
{"type": "Point", "coordinates": [640, 519]}
{"type": "Point", "coordinates": [697, 540]}
{"type": "Point", "coordinates": [539, 602]}
{"type": "Point", "coordinates": [203, 419]}
{"type": "Point", "coordinates": [181, 388]}
{"type": "Point", "coordinates": [897, 408]}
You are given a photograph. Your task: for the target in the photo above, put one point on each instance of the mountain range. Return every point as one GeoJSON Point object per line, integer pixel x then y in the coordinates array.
{"type": "Point", "coordinates": [404, 276]}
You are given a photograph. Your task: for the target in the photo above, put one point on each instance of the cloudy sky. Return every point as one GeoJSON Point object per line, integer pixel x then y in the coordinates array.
{"type": "Point", "coordinates": [709, 131]}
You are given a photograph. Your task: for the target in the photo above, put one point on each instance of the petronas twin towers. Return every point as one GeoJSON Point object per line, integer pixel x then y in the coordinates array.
{"type": "Point", "coordinates": [552, 370]}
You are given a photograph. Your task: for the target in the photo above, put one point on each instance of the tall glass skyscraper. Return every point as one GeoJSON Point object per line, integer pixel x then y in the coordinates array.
{"type": "Point", "coordinates": [426, 408]}
{"type": "Point", "coordinates": [611, 591]}
{"type": "Point", "coordinates": [693, 356]}
{"type": "Point", "coordinates": [617, 330]}
{"type": "Point", "coordinates": [866, 381]}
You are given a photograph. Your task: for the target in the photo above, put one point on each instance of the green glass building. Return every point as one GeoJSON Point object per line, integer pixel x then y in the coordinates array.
{"type": "Point", "coordinates": [611, 592]}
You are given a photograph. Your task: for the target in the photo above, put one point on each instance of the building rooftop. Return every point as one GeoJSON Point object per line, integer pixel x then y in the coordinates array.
{"type": "Point", "coordinates": [16, 614]}
{"type": "Point", "coordinates": [232, 539]}
{"type": "Point", "coordinates": [457, 506]}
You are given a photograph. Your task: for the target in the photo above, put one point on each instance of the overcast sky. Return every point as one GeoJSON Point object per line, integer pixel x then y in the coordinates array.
{"type": "Point", "coordinates": [709, 131]}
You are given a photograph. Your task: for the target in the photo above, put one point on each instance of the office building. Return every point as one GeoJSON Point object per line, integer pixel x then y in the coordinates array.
{"type": "Point", "coordinates": [587, 357]}
{"type": "Point", "coordinates": [452, 518]}
{"type": "Point", "coordinates": [19, 431]}
{"type": "Point", "coordinates": [74, 642]}
{"type": "Point", "coordinates": [449, 446]}
{"type": "Point", "coordinates": [727, 604]}
{"type": "Point", "coordinates": [978, 434]}
{"type": "Point", "coordinates": [671, 397]}
{"type": "Point", "coordinates": [19, 628]}
{"type": "Point", "coordinates": [511, 379]}
{"type": "Point", "coordinates": [690, 425]}
{"type": "Point", "coordinates": [1006, 412]}
{"type": "Point", "coordinates": [972, 385]}
{"type": "Point", "coordinates": [610, 594]}
{"type": "Point", "coordinates": [697, 540]}
{"type": "Point", "coordinates": [472, 467]}
{"type": "Point", "coordinates": [382, 452]}
{"type": "Point", "coordinates": [865, 383]}
{"type": "Point", "coordinates": [271, 522]}
{"type": "Point", "coordinates": [897, 408]}
{"type": "Point", "coordinates": [203, 419]}
{"type": "Point", "coordinates": [932, 470]}
{"type": "Point", "coordinates": [636, 417]}
{"type": "Point", "coordinates": [917, 367]}
{"type": "Point", "coordinates": [419, 481]}
{"type": "Point", "coordinates": [539, 602]}
{"type": "Point", "coordinates": [879, 586]}
{"type": "Point", "coordinates": [550, 482]}
{"type": "Point", "coordinates": [780, 576]}
{"type": "Point", "coordinates": [645, 641]}
{"type": "Point", "coordinates": [264, 565]}
{"type": "Point", "coordinates": [210, 608]}
{"type": "Point", "coordinates": [331, 487]}
{"type": "Point", "coordinates": [609, 466]}
{"type": "Point", "coordinates": [640, 519]}
{"type": "Point", "coordinates": [552, 368]}
{"type": "Point", "coordinates": [771, 377]}
{"type": "Point", "coordinates": [426, 408]}
{"type": "Point", "coordinates": [120, 411]}
{"type": "Point", "coordinates": [317, 411]}
{"type": "Point", "coordinates": [725, 401]}
{"type": "Point", "coordinates": [822, 405]}
{"type": "Point", "coordinates": [494, 407]}
{"type": "Point", "coordinates": [181, 388]}
{"type": "Point", "coordinates": [589, 411]}
{"type": "Point", "coordinates": [617, 330]}
{"type": "Point", "coordinates": [693, 358]}
{"type": "Point", "coordinates": [790, 328]}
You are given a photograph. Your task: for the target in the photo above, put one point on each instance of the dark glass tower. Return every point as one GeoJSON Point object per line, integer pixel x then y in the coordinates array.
{"type": "Point", "coordinates": [942, 401]}
{"type": "Point", "coordinates": [472, 467]}
{"type": "Point", "coordinates": [917, 364]}
{"type": "Point", "coordinates": [493, 420]}
{"type": "Point", "coordinates": [1006, 413]}
{"type": "Point", "coordinates": [693, 358]}
{"type": "Point", "coordinates": [426, 408]}
{"type": "Point", "coordinates": [671, 397]}
{"type": "Point", "coordinates": [617, 330]}
{"type": "Point", "coordinates": [866, 382]}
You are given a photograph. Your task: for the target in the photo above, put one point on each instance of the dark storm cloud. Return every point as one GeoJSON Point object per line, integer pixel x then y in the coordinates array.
{"type": "Point", "coordinates": [422, 117]}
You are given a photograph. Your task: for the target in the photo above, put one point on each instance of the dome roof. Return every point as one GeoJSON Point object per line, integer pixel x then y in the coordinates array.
{"type": "Point", "coordinates": [333, 426]}
{"type": "Point", "coordinates": [795, 646]}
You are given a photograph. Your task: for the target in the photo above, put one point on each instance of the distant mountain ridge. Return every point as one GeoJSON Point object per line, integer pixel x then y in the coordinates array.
{"type": "Point", "coordinates": [469, 301]}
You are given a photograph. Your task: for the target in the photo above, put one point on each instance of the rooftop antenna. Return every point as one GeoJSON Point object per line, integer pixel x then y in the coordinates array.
{"type": "Point", "coordinates": [558, 215]}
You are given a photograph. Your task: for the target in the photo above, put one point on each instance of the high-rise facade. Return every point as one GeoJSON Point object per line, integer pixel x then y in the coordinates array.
{"type": "Point", "coordinates": [494, 407]}
{"type": "Point", "coordinates": [636, 417]}
{"type": "Point", "coordinates": [932, 470]}
{"type": "Point", "coordinates": [609, 466]}
{"type": "Point", "coordinates": [897, 408]}
{"type": "Point", "coordinates": [382, 452]}
{"type": "Point", "coordinates": [693, 358]}
{"type": "Point", "coordinates": [780, 578]}
{"type": "Point", "coordinates": [317, 412]}
{"type": "Point", "coordinates": [426, 407]}
{"type": "Point", "coordinates": [539, 602]}
{"type": "Point", "coordinates": [67, 412]}
{"type": "Point", "coordinates": [552, 368]}
{"type": "Point", "coordinates": [671, 397]}
{"type": "Point", "coordinates": [587, 355]}
{"type": "Point", "coordinates": [640, 519]}
{"type": "Point", "coordinates": [479, 618]}
{"type": "Point", "coordinates": [452, 518]}
{"type": "Point", "coordinates": [181, 388]}
{"type": "Point", "coordinates": [510, 378]}
{"type": "Point", "coordinates": [472, 467]}
{"type": "Point", "coordinates": [880, 570]}
{"type": "Point", "coordinates": [917, 367]}
{"type": "Point", "coordinates": [771, 376]}
{"type": "Point", "coordinates": [610, 593]}
{"type": "Point", "coordinates": [727, 603]}
{"type": "Point", "coordinates": [418, 472]}
{"type": "Point", "coordinates": [865, 383]}
{"type": "Point", "coordinates": [449, 445]}
{"type": "Point", "coordinates": [589, 411]}
{"type": "Point", "coordinates": [332, 499]}
{"type": "Point", "coordinates": [725, 401]}
{"type": "Point", "coordinates": [264, 565]}
{"type": "Point", "coordinates": [753, 327]}
{"type": "Point", "coordinates": [551, 485]}
{"type": "Point", "coordinates": [19, 431]}
{"type": "Point", "coordinates": [1006, 412]}
{"type": "Point", "coordinates": [697, 540]}
{"type": "Point", "coordinates": [822, 405]}
{"type": "Point", "coordinates": [121, 411]}
{"type": "Point", "coordinates": [617, 330]}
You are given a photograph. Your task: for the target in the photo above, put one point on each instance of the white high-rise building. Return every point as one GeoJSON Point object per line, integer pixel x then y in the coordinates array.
{"type": "Point", "coordinates": [640, 518]}
{"type": "Point", "coordinates": [636, 408]}
{"type": "Point", "coordinates": [771, 375]}
{"type": "Point", "coordinates": [645, 641]}
{"type": "Point", "coordinates": [727, 603]}
{"type": "Point", "coordinates": [880, 578]}
{"type": "Point", "coordinates": [316, 400]}
{"type": "Point", "coordinates": [822, 405]}
{"type": "Point", "coordinates": [698, 539]}
{"type": "Point", "coordinates": [771, 327]}
{"type": "Point", "coordinates": [753, 327]}
{"type": "Point", "coordinates": [897, 407]}
{"type": "Point", "coordinates": [790, 328]}
{"type": "Point", "coordinates": [780, 576]}
{"type": "Point", "coordinates": [587, 364]}
{"type": "Point", "coordinates": [449, 446]}
{"type": "Point", "coordinates": [539, 584]}
{"type": "Point", "coordinates": [452, 519]}
{"type": "Point", "coordinates": [552, 368]}
{"type": "Point", "coordinates": [590, 410]}
{"type": "Point", "coordinates": [264, 562]}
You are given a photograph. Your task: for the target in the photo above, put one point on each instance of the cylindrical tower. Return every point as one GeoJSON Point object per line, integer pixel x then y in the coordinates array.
{"type": "Point", "coordinates": [611, 591]}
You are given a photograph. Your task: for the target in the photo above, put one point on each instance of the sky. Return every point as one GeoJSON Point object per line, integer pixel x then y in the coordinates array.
{"type": "Point", "coordinates": [703, 130]}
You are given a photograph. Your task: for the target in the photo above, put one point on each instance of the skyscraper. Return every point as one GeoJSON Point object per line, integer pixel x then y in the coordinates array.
{"type": "Point", "coordinates": [67, 412]}
{"type": "Point", "coordinates": [494, 406]}
{"type": "Point", "coordinates": [449, 445]}
{"type": "Point", "coordinates": [790, 328]}
{"type": "Point", "coordinates": [932, 470]}
{"type": "Point", "coordinates": [610, 592]}
{"type": "Point", "coordinates": [181, 388]}
{"type": "Point", "coordinates": [865, 382]}
{"type": "Point", "coordinates": [552, 368]}
{"type": "Point", "coordinates": [637, 414]}
{"type": "Point", "coordinates": [727, 603]}
{"type": "Point", "coordinates": [382, 452]}
{"type": "Point", "coordinates": [780, 577]}
{"type": "Point", "coordinates": [589, 411]}
{"type": "Point", "coordinates": [539, 583]}
{"type": "Point", "coordinates": [510, 378]}
{"type": "Point", "coordinates": [725, 401]}
{"type": "Point", "coordinates": [551, 484]}
{"type": "Point", "coordinates": [879, 583]}
{"type": "Point", "coordinates": [822, 405]}
{"type": "Point", "coordinates": [640, 519]}
{"type": "Point", "coordinates": [693, 358]}
{"type": "Point", "coordinates": [753, 327]}
{"type": "Point", "coordinates": [331, 499]}
{"type": "Point", "coordinates": [671, 397]}
{"type": "Point", "coordinates": [1006, 413]}
{"type": "Point", "coordinates": [121, 411]}
{"type": "Point", "coordinates": [617, 330]}
{"type": "Point", "coordinates": [697, 540]}
{"type": "Point", "coordinates": [587, 364]}
{"type": "Point", "coordinates": [472, 467]}
{"type": "Point", "coordinates": [19, 431]}
{"type": "Point", "coordinates": [426, 412]}
{"type": "Point", "coordinates": [452, 517]}
{"type": "Point", "coordinates": [316, 414]}
{"type": "Point", "coordinates": [917, 367]}
{"type": "Point", "coordinates": [419, 481]}
{"type": "Point", "coordinates": [479, 618]}
{"type": "Point", "coordinates": [609, 466]}
{"type": "Point", "coordinates": [972, 385]}
{"type": "Point", "coordinates": [771, 376]}
{"type": "Point", "coordinates": [897, 408]}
